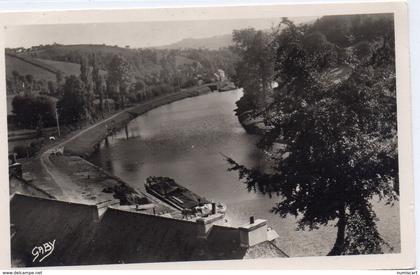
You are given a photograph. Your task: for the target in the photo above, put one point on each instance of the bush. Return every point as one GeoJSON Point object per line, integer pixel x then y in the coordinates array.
{"type": "Point", "coordinates": [189, 83]}
{"type": "Point", "coordinates": [162, 89]}
{"type": "Point", "coordinates": [32, 111]}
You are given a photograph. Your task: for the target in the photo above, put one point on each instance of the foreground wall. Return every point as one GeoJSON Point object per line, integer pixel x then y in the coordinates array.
{"type": "Point", "coordinates": [81, 237]}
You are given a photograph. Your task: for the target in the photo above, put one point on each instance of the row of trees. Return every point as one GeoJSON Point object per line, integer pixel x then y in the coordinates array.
{"type": "Point", "coordinates": [338, 135]}
{"type": "Point", "coordinates": [103, 85]}
{"type": "Point", "coordinates": [28, 84]}
{"type": "Point", "coordinates": [84, 97]}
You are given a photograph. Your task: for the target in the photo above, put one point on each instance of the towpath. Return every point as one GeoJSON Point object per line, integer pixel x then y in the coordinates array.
{"type": "Point", "coordinates": [67, 186]}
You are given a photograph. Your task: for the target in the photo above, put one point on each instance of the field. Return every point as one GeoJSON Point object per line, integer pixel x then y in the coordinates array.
{"type": "Point", "coordinates": [143, 61]}
{"type": "Point", "coordinates": [40, 68]}
{"type": "Point", "coordinates": [24, 68]}
{"type": "Point", "coordinates": [67, 68]}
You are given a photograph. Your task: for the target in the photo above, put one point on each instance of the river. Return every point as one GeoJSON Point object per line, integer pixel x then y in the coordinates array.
{"type": "Point", "coordinates": [185, 140]}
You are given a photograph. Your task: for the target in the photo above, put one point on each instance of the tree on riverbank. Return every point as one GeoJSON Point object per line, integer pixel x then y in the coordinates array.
{"type": "Point", "coordinates": [254, 70]}
{"type": "Point", "coordinates": [72, 106]}
{"type": "Point", "coordinates": [120, 78]}
{"type": "Point", "coordinates": [333, 144]}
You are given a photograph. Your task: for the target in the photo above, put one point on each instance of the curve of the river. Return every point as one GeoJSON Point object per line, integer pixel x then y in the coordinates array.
{"type": "Point", "coordinates": [185, 140]}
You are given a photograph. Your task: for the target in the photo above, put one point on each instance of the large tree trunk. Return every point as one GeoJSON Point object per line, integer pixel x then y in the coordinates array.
{"type": "Point", "coordinates": [338, 247]}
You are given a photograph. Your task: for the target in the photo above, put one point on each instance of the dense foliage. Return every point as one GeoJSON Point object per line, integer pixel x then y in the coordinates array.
{"type": "Point", "coordinates": [254, 70]}
{"type": "Point", "coordinates": [33, 111]}
{"type": "Point", "coordinates": [72, 105]}
{"type": "Point", "coordinates": [333, 127]}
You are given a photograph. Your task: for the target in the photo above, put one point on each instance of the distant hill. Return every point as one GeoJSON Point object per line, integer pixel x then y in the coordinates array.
{"type": "Point", "coordinates": [210, 43]}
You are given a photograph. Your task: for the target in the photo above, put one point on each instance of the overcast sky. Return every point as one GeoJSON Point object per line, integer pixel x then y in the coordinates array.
{"type": "Point", "coordinates": [136, 34]}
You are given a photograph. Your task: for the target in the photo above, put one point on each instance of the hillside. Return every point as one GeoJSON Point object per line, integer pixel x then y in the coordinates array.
{"type": "Point", "coordinates": [210, 43]}
{"type": "Point", "coordinates": [40, 69]}
{"type": "Point", "coordinates": [70, 52]}
{"type": "Point", "coordinates": [145, 63]}
{"type": "Point", "coordinates": [67, 68]}
{"type": "Point", "coordinates": [66, 57]}
{"type": "Point", "coordinates": [14, 63]}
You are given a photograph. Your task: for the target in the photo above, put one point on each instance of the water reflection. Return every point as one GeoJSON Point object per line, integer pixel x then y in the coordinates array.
{"type": "Point", "coordinates": [185, 140]}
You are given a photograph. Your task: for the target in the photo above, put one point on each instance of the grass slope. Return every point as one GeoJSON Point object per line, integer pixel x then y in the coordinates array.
{"type": "Point", "coordinates": [40, 68]}
{"type": "Point", "coordinates": [141, 66]}
{"type": "Point", "coordinates": [24, 68]}
{"type": "Point", "coordinates": [66, 67]}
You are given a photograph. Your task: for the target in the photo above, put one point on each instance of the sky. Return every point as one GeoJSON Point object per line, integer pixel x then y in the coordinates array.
{"type": "Point", "coordinates": [134, 34]}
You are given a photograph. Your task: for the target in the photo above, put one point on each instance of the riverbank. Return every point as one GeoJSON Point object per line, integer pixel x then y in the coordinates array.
{"type": "Point", "coordinates": [252, 125]}
{"type": "Point", "coordinates": [84, 145]}
{"type": "Point", "coordinates": [252, 120]}
{"type": "Point", "coordinates": [70, 177]}
{"type": "Point", "coordinates": [91, 183]}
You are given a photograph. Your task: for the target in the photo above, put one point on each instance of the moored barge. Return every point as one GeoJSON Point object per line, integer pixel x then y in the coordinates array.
{"type": "Point", "coordinates": [179, 197]}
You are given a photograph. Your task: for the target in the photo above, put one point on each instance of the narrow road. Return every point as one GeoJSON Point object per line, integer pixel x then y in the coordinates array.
{"type": "Point", "coordinates": [68, 187]}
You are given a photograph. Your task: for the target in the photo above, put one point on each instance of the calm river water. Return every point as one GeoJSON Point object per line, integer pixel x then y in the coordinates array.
{"type": "Point", "coordinates": [185, 140]}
